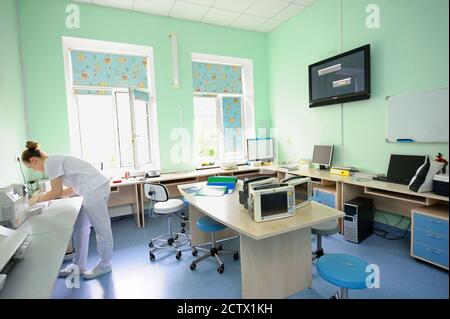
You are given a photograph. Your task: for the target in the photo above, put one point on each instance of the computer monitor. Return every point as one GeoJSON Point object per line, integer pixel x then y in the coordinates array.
{"type": "Point", "coordinates": [402, 168]}
{"type": "Point", "coordinates": [322, 155]}
{"type": "Point", "coordinates": [260, 149]}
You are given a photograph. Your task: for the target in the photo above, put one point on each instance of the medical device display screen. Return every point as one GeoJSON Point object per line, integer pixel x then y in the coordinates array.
{"type": "Point", "coordinates": [301, 193]}
{"type": "Point", "coordinates": [274, 203]}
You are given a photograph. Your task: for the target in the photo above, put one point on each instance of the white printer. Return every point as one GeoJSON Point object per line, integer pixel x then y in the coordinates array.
{"type": "Point", "coordinates": [13, 245]}
{"type": "Point", "coordinates": [14, 208]}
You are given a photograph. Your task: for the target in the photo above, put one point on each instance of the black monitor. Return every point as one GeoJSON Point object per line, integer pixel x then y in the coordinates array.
{"type": "Point", "coordinates": [342, 78]}
{"type": "Point", "coordinates": [323, 155]}
{"type": "Point", "coordinates": [402, 168]}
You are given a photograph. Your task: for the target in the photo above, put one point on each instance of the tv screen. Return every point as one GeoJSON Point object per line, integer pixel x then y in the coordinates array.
{"type": "Point", "coordinates": [342, 78]}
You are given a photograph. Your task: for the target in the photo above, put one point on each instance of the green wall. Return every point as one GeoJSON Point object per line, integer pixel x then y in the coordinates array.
{"type": "Point", "coordinates": [43, 24]}
{"type": "Point", "coordinates": [12, 117]}
{"type": "Point", "coordinates": [409, 53]}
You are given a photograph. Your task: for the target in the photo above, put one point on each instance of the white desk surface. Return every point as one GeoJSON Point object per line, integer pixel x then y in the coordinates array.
{"type": "Point", "coordinates": [60, 214]}
{"type": "Point", "coordinates": [227, 210]}
{"type": "Point", "coordinates": [34, 276]}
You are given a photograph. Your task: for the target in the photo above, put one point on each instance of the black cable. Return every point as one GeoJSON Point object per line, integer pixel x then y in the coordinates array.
{"type": "Point", "coordinates": [21, 171]}
{"type": "Point", "coordinates": [385, 234]}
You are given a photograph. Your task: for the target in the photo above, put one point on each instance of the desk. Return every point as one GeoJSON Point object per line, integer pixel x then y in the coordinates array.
{"type": "Point", "coordinates": [173, 180]}
{"type": "Point", "coordinates": [34, 276]}
{"type": "Point", "coordinates": [390, 197]}
{"type": "Point", "coordinates": [131, 191]}
{"type": "Point", "coordinates": [394, 198]}
{"type": "Point", "coordinates": [127, 192]}
{"type": "Point", "coordinates": [275, 255]}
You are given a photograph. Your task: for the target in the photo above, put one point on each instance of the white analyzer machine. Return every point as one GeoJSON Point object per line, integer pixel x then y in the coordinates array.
{"type": "Point", "coordinates": [14, 210]}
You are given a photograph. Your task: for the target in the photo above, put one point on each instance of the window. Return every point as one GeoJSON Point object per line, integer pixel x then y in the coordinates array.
{"type": "Point", "coordinates": [111, 105]}
{"type": "Point", "coordinates": [206, 128]}
{"type": "Point", "coordinates": [223, 108]}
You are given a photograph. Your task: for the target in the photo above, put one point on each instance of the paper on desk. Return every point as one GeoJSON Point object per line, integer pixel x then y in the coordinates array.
{"type": "Point", "coordinates": [38, 208]}
{"type": "Point", "coordinates": [192, 190]}
{"type": "Point", "coordinates": [212, 191]}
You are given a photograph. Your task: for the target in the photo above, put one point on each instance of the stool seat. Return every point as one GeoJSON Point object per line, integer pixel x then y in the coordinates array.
{"type": "Point", "coordinates": [325, 229]}
{"type": "Point", "coordinates": [343, 270]}
{"type": "Point", "coordinates": [209, 225]}
{"type": "Point", "coordinates": [169, 207]}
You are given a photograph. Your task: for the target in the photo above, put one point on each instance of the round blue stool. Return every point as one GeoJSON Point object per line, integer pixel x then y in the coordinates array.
{"type": "Point", "coordinates": [209, 225]}
{"type": "Point", "coordinates": [344, 271]}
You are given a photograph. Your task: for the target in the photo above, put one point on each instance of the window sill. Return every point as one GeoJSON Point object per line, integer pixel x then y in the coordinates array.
{"type": "Point", "coordinates": [200, 168]}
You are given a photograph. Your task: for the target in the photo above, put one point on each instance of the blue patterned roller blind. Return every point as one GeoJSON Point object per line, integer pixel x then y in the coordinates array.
{"type": "Point", "coordinates": [217, 78]}
{"type": "Point", "coordinates": [232, 124]}
{"type": "Point", "coordinates": [141, 96]}
{"type": "Point", "coordinates": [109, 70]}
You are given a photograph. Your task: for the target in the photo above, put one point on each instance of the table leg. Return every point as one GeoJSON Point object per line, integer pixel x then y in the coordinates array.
{"type": "Point", "coordinates": [276, 267]}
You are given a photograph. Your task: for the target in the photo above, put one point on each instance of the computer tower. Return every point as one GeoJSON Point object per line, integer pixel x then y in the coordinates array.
{"type": "Point", "coordinates": [358, 219]}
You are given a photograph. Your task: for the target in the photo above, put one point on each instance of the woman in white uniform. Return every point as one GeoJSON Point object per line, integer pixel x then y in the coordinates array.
{"type": "Point", "coordinates": [80, 178]}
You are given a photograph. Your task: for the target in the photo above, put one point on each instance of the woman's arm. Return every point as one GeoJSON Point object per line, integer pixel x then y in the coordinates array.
{"type": "Point", "coordinates": [55, 192]}
{"type": "Point", "coordinates": [68, 192]}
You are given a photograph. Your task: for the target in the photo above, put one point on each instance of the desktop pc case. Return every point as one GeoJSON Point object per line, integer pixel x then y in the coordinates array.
{"type": "Point", "coordinates": [358, 219]}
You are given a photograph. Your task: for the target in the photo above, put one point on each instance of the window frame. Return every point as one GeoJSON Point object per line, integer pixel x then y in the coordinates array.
{"type": "Point", "coordinates": [71, 43]}
{"type": "Point", "coordinates": [247, 103]}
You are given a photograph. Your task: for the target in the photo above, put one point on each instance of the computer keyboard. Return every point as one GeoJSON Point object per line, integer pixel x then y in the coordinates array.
{"type": "Point", "coordinates": [391, 180]}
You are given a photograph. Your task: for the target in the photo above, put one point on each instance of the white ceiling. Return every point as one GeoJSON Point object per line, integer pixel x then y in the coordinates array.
{"type": "Point", "coordinates": [253, 15]}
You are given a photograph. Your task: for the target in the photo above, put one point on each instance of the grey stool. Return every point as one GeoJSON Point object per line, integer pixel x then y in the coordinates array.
{"type": "Point", "coordinates": [324, 229]}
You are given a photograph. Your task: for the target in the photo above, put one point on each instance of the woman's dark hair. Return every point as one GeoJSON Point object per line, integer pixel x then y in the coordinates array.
{"type": "Point", "coordinates": [31, 151]}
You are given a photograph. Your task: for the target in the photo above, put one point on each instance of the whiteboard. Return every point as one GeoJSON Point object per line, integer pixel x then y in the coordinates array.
{"type": "Point", "coordinates": [418, 117]}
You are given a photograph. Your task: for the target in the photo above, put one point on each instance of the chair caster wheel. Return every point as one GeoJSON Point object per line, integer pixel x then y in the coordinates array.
{"type": "Point", "coordinates": [170, 241]}
{"type": "Point", "coordinates": [193, 266]}
{"type": "Point", "coordinates": [236, 256]}
{"type": "Point", "coordinates": [152, 257]}
{"type": "Point", "coordinates": [195, 252]}
{"type": "Point", "coordinates": [220, 247]}
{"type": "Point", "coordinates": [150, 244]}
{"type": "Point", "coordinates": [336, 296]}
{"type": "Point", "coordinates": [221, 269]}
{"type": "Point", "coordinates": [183, 225]}
{"type": "Point", "coordinates": [320, 253]}
{"type": "Point", "coordinates": [178, 255]}
{"type": "Point", "coordinates": [183, 231]}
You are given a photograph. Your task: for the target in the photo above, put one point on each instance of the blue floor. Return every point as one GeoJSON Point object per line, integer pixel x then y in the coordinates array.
{"type": "Point", "coordinates": [134, 276]}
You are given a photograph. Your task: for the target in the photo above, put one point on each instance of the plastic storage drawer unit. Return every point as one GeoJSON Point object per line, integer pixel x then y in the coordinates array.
{"type": "Point", "coordinates": [429, 240]}
{"type": "Point", "coordinates": [325, 197]}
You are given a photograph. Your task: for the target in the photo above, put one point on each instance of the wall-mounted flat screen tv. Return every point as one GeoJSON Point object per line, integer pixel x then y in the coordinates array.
{"type": "Point", "coordinates": [342, 78]}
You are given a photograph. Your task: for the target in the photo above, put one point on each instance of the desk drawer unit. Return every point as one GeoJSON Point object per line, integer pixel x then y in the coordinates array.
{"type": "Point", "coordinates": [429, 240]}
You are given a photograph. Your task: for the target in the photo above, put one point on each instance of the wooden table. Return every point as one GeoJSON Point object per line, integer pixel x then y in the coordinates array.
{"type": "Point", "coordinates": [275, 255]}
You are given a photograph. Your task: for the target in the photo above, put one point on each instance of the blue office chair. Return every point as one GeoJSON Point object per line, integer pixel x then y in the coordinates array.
{"type": "Point", "coordinates": [164, 206]}
{"type": "Point", "coordinates": [344, 271]}
{"type": "Point", "coordinates": [209, 225]}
